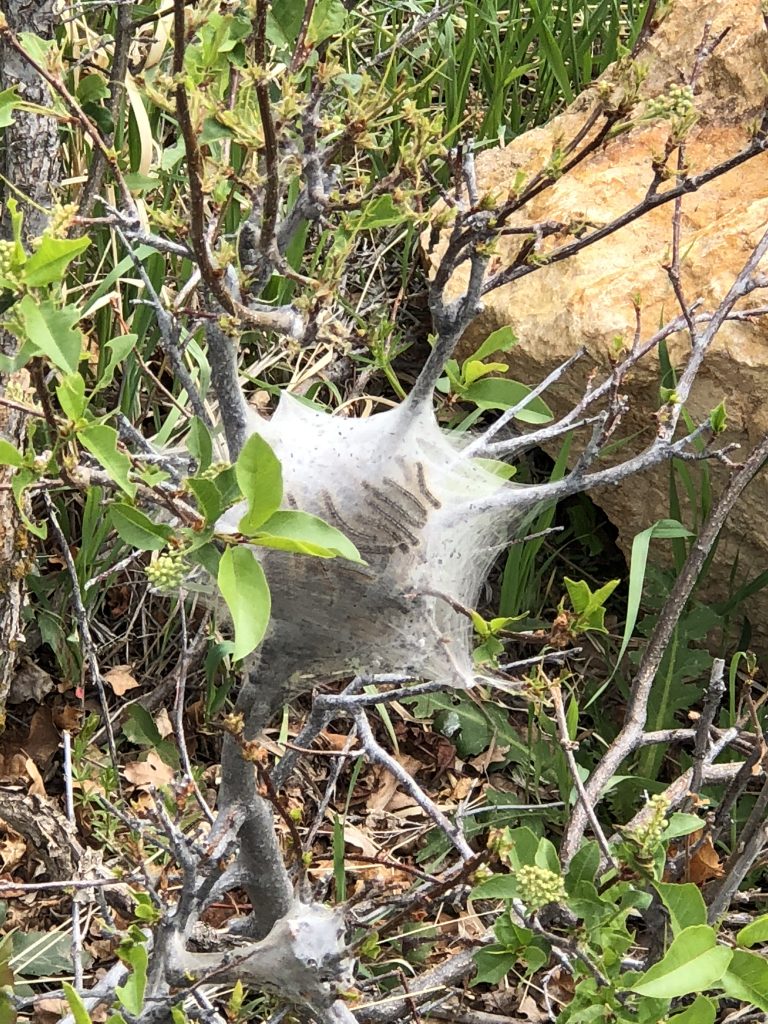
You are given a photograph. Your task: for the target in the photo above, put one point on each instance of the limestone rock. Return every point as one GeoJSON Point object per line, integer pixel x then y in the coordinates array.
{"type": "Point", "coordinates": [589, 299]}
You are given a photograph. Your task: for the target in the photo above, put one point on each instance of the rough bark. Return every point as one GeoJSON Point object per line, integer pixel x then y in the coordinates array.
{"type": "Point", "coordinates": [29, 163]}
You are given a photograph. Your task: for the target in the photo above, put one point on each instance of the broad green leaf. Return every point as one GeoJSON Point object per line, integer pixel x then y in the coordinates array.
{"type": "Point", "coordinates": [379, 213]}
{"type": "Point", "coordinates": [746, 979]}
{"type": "Point", "coordinates": [284, 21]}
{"type": "Point", "coordinates": [680, 824]}
{"type": "Point", "coordinates": [200, 443]}
{"type": "Point", "coordinates": [756, 931]}
{"type": "Point", "coordinates": [71, 395]}
{"type": "Point", "coordinates": [261, 482]}
{"type": "Point", "coordinates": [9, 454]}
{"type": "Point", "coordinates": [493, 963]}
{"type": "Point", "coordinates": [546, 856]}
{"type": "Point", "coordinates": [92, 88]}
{"type": "Point", "coordinates": [50, 260]}
{"type": "Point", "coordinates": [701, 1011]}
{"type": "Point", "coordinates": [101, 441]}
{"type": "Point", "coordinates": [583, 867]}
{"type": "Point", "coordinates": [243, 586]}
{"type": "Point", "coordinates": [208, 497]}
{"type": "Point", "coordinates": [305, 534]}
{"type": "Point", "coordinates": [498, 887]}
{"type": "Point", "coordinates": [500, 393]}
{"type": "Point", "coordinates": [684, 902]}
{"type": "Point", "coordinates": [131, 994]}
{"type": "Point", "coordinates": [693, 962]}
{"type": "Point", "coordinates": [137, 529]}
{"type": "Point", "coordinates": [50, 331]}
{"type": "Point", "coordinates": [328, 19]}
{"type": "Point", "coordinates": [76, 1005]}
{"type": "Point", "coordinates": [499, 341]}
{"type": "Point", "coordinates": [140, 728]}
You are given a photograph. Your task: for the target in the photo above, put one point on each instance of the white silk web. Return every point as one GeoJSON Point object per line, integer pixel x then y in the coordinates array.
{"type": "Point", "coordinates": [408, 497]}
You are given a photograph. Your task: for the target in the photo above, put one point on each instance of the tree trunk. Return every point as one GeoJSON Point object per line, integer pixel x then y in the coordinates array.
{"type": "Point", "coordinates": [29, 164]}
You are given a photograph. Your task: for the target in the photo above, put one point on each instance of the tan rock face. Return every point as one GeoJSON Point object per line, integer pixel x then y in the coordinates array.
{"type": "Point", "coordinates": [588, 300]}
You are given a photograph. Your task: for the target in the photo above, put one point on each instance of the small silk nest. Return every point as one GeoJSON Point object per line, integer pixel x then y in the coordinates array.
{"type": "Point", "coordinates": [416, 505]}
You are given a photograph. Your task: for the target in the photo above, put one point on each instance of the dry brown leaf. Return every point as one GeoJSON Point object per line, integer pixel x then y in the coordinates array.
{"type": "Point", "coordinates": [43, 739]}
{"type": "Point", "coordinates": [704, 864]}
{"type": "Point", "coordinates": [12, 851]}
{"type": "Point", "coordinates": [38, 786]}
{"type": "Point", "coordinates": [354, 836]}
{"type": "Point", "coordinates": [151, 772]}
{"type": "Point", "coordinates": [30, 682]}
{"type": "Point", "coordinates": [49, 1009]}
{"type": "Point", "coordinates": [163, 723]}
{"type": "Point", "coordinates": [120, 679]}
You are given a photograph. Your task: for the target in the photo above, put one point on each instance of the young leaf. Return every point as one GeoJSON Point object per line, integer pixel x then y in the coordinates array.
{"type": "Point", "coordinates": [51, 259]}
{"type": "Point", "coordinates": [101, 441]}
{"type": "Point", "coordinates": [9, 454]}
{"type": "Point", "coordinates": [499, 341]}
{"type": "Point", "coordinates": [747, 979]}
{"type": "Point", "coordinates": [131, 994]}
{"type": "Point", "coordinates": [684, 902]}
{"type": "Point", "coordinates": [701, 1011]}
{"type": "Point", "coordinates": [19, 482]}
{"type": "Point", "coordinates": [692, 963]}
{"type": "Point", "coordinates": [71, 395]}
{"type": "Point", "coordinates": [117, 349]}
{"type": "Point", "coordinates": [243, 586]}
{"type": "Point", "coordinates": [306, 535]}
{"type": "Point", "coordinates": [500, 393]}
{"type": "Point", "coordinates": [261, 482]}
{"type": "Point", "coordinates": [50, 331]}
{"type": "Point", "coordinates": [137, 529]}
{"type": "Point", "coordinates": [754, 932]}
{"type": "Point", "coordinates": [77, 1007]}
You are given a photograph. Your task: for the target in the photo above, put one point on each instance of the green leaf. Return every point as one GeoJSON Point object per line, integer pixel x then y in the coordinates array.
{"type": "Point", "coordinates": [473, 370]}
{"type": "Point", "coordinates": [77, 1007]}
{"type": "Point", "coordinates": [50, 260]}
{"type": "Point", "coordinates": [546, 856]}
{"type": "Point", "coordinates": [681, 825]}
{"type": "Point", "coordinates": [92, 88]}
{"type": "Point", "coordinates": [500, 393]}
{"type": "Point", "coordinates": [261, 482]}
{"type": "Point", "coordinates": [117, 349]}
{"type": "Point", "coordinates": [746, 979]}
{"type": "Point", "coordinates": [583, 867]}
{"type": "Point", "coordinates": [305, 534]}
{"type": "Point", "coordinates": [50, 331]}
{"type": "Point", "coordinates": [200, 444]}
{"type": "Point", "coordinates": [499, 341]}
{"type": "Point", "coordinates": [756, 931]}
{"type": "Point", "coordinates": [9, 101]}
{"type": "Point", "coordinates": [380, 213]}
{"type": "Point", "coordinates": [501, 469]}
{"type": "Point", "coordinates": [9, 454]}
{"type": "Point", "coordinates": [493, 963]}
{"type": "Point", "coordinates": [131, 994]}
{"type": "Point", "coordinates": [701, 1011]}
{"type": "Point", "coordinates": [693, 962]}
{"type": "Point", "coordinates": [71, 395]}
{"type": "Point", "coordinates": [328, 19]}
{"type": "Point", "coordinates": [498, 887]}
{"type": "Point", "coordinates": [137, 529]}
{"type": "Point", "coordinates": [101, 441]}
{"type": "Point", "coordinates": [19, 482]}
{"type": "Point", "coordinates": [208, 497]}
{"type": "Point", "coordinates": [140, 728]}
{"type": "Point", "coordinates": [663, 529]}
{"type": "Point", "coordinates": [684, 902]}
{"type": "Point", "coordinates": [243, 586]}
{"type": "Point", "coordinates": [718, 419]}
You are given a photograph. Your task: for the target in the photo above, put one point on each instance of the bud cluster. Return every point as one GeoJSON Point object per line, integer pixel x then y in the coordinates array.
{"type": "Point", "coordinates": [648, 834]}
{"type": "Point", "coordinates": [676, 103]}
{"type": "Point", "coordinates": [167, 571]}
{"type": "Point", "coordinates": [539, 886]}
